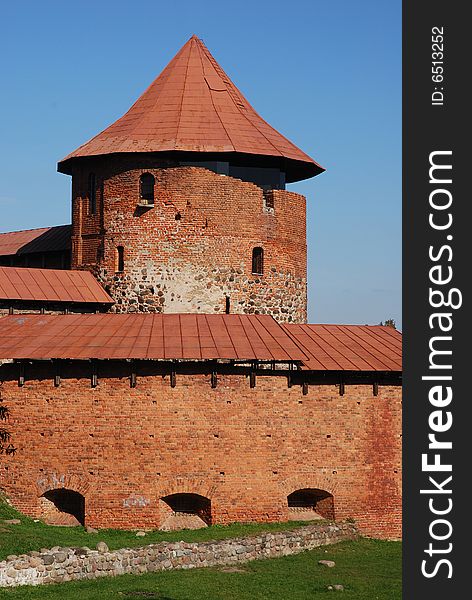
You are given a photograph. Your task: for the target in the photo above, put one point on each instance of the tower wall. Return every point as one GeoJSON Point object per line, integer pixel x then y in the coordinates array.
{"type": "Point", "coordinates": [193, 249]}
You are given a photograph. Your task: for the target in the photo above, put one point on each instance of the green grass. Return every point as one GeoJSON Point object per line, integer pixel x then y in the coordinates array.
{"type": "Point", "coordinates": [368, 570]}
{"type": "Point", "coordinates": [19, 539]}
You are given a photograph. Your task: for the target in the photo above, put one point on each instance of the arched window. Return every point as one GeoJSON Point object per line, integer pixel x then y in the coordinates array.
{"type": "Point", "coordinates": [120, 259]}
{"type": "Point", "coordinates": [92, 193]}
{"type": "Point", "coordinates": [146, 187]}
{"type": "Point", "coordinates": [258, 261]}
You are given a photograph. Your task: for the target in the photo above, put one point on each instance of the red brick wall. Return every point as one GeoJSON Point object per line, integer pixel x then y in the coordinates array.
{"type": "Point", "coordinates": [245, 449]}
{"type": "Point", "coordinates": [191, 263]}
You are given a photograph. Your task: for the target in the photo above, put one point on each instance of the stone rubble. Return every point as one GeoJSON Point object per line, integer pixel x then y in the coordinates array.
{"type": "Point", "coordinates": [11, 521]}
{"type": "Point", "coordinates": [58, 564]}
{"type": "Point", "coordinates": [336, 588]}
{"type": "Point", "coordinates": [327, 563]}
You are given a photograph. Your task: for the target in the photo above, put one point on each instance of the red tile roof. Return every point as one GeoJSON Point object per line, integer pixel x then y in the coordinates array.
{"type": "Point", "coordinates": [193, 106]}
{"type": "Point", "coordinates": [146, 336]}
{"type": "Point", "coordinates": [50, 285]}
{"type": "Point", "coordinates": [44, 239]}
{"type": "Point", "coordinates": [348, 347]}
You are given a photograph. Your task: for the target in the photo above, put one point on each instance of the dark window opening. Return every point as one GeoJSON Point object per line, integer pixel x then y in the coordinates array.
{"type": "Point", "coordinates": [227, 305]}
{"type": "Point", "coordinates": [92, 193]}
{"type": "Point", "coordinates": [258, 261]}
{"type": "Point", "coordinates": [269, 199]}
{"type": "Point", "coordinates": [266, 177]}
{"type": "Point", "coordinates": [192, 504]}
{"type": "Point", "coordinates": [146, 184]}
{"type": "Point", "coordinates": [67, 504]}
{"type": "Point", "coordinates": [315, 500]}
{"type": "Point", "coordinates": [120, 259]}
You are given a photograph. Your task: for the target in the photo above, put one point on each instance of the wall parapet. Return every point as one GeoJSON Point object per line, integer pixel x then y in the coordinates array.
{"type": "Point", "coordinates": [67, 564]}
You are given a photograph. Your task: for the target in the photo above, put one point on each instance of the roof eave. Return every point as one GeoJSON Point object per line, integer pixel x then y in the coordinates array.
{"type": "Point", "coordinates": [295, 170]}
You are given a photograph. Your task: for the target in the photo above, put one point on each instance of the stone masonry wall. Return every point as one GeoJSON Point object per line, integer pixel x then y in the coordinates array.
{"type": "Point", "coordinates": [66, 564]}
{"type": "Point", "coordinates": [194, 248]}
{"type": "Point", "coordinates": [244, 449]}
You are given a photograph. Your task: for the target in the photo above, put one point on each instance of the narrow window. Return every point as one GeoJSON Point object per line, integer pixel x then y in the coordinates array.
{"type": "Point", "coordinates": [146, 186]}
{"type": "Point", "coordinates": [92, 194]}
{"type": "Point", "coordinates": [269, 199]}
{"type": "Point", "coordinates": [258, 261]}
{"type": "Point", "coordinates": [120, 259]}
{"type": "Point", "coordinates": [227, 305]}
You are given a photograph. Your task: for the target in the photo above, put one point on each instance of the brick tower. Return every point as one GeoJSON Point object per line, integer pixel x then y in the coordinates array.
{"type": "Point", "coordinates": [180, 205]}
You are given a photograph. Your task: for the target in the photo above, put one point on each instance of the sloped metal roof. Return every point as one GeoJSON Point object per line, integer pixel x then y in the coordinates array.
{"type": "Point", "coordinates": [43, 239]}
{"type": "Point", "coordinates": [348, 347]}
{"type": "Point", "coordinates": [146, 336]}
{"type": "Point", "coordinates": [51, 285]}
{"type": "Point", "coordinates": [200, 337]}
{"type": "Point", "coordinates": [193, 106]}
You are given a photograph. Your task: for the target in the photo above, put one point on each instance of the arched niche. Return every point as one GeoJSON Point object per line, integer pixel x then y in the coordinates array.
{"type": "Point", "coordinates": [310, 503]}
{"type": "Point", "coordinates": [62, 506]}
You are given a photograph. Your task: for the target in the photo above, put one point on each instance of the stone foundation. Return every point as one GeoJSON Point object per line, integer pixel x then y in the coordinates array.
{"type": "Point", "coordinates": [177, 288]}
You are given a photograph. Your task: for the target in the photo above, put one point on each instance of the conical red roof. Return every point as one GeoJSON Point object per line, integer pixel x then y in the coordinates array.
{"type": "Point", "coordinates": [193, 106]}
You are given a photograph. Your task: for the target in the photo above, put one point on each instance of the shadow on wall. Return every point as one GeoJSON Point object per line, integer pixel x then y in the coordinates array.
{"type": "Point", "coordinates": [63, 507]}
{"type": "Point", "coordinates": [310, 504]}
{"type": "Point", "coordinates": [185, 511]}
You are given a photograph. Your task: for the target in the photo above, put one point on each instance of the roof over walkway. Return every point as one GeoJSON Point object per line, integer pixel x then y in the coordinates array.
{"type": "Point", "coordinates": [348, 347]}
{"type": "Point", "coordinates": [199, 337]}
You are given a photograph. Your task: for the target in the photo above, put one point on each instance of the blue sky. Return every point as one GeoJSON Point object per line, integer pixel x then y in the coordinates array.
{"type": "Point", "coordinates": [325, 74]}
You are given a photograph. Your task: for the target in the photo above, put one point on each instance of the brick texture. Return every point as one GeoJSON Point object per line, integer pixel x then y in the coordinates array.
{"type": "Point", "coordinates": [194, 248]}
{"type": "Point", "coordinates": [246, 450]}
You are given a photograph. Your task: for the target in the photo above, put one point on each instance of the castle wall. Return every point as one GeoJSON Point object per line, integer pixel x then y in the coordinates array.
{"type": "Point", "coordinates": [194, 248]}
{"type": "Point", "coordinates": [245, 449]}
